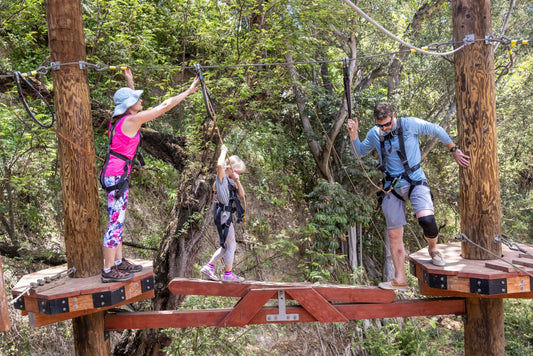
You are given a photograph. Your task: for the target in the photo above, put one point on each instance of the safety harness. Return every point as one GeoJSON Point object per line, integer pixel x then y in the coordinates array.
{"type": "Point", "coordinates": [137, 160]}
{"type": "Point", "coordinates": [234, 206]}
{"type": "Point", "coordinates": [398, 131]}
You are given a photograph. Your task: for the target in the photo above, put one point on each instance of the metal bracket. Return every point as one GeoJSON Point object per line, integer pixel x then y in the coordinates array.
{"type": "Point", "coordinates": [469, 38]}
{"type": "Point", "coordinates": [55, 65]}
{"type": "Point", "coordinates": [147, 284]}
{"type": "Point", "coordinates": [82, 65]}
{"type": "Point", "coordinates": [439, 281]}
{"type": "Point", "coordinates": [282, 315]}
{"type": "Point", "coordinates": [488, 286]}
{"type": "Point", "coordinates": [109, 298]}
{"type": "Point", "coordinates": [489, 39]}
{"type": "Point", "coordinates": [53, 306]}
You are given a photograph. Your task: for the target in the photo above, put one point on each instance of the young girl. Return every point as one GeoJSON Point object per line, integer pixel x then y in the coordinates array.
{"type": "Point", "coordinates": [128, 118]}
{"type": "Point", "coordinates": [228, 187]}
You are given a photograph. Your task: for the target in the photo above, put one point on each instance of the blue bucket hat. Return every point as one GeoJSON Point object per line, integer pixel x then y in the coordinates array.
{"type": "Point", "coordinates": [125, 98]}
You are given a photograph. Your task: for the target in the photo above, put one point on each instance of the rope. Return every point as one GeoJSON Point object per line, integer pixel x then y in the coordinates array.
{"type": "Point", "coordinates": [18, 78]}
{"type": "Point", "coordinates": [210, 107]}
{"type": "Point", "coordinates": [75, 144]}
{"type": "Point", "coordinates": [463, 237]}
{"type": "Point", "coordinates": [347, 94]}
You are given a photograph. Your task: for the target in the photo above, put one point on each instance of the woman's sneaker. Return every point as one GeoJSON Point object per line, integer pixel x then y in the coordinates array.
{"type": "Point", "coordinates": [231, 277]}
{"type": "Point", "coordinates": [114, 275]}
{"type": "Point", "coordinates": [209, 272]}
{"type": "Point", "coordinates": [127, 267]}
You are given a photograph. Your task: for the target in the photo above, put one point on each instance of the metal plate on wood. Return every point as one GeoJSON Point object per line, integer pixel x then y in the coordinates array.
{"type": "Point", "coordinates": [488, 286]}
{"type": "Point", "coordinates": [53, 306]}
{"type": "Point", "coordinates": [147, 284]}
{"type": "Point", "coordinates": [282, 315]}
{"type": "Point", "coordinates": [20, 305]}
{"type": "Point", "coordinates": [439, 281]}
{"type": "Point", "coordinates": [109, 298]}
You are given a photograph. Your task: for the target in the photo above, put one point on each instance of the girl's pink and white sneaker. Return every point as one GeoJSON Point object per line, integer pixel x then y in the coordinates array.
{"type": "Point", "coordinates": [232, 277]}
{"type": "Point", "coordinates": [210, 272]}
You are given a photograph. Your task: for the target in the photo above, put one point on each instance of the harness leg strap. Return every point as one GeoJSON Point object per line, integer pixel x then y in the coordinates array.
{"type": "Point", "coordinates": [429, 226]}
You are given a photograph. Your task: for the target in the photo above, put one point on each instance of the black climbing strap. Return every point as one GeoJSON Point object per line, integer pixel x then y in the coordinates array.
{"type": "Point", "coordinates": [20, 77]}
{"type": "Point", "coordinates": [346, 81]}
{"type": "Point", "coordinates": [209, 105]}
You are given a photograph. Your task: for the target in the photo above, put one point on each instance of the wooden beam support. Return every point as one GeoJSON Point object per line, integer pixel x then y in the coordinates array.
{"type": "Point", "coordinates": [210, 317]}
{"type": "Point", "coordinates": [316, 305]}
{"type": "Point", "coordinates": [247, 307]}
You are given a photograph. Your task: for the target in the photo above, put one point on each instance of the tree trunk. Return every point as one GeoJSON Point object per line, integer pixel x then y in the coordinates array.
{"type": "Point", "coordinates": [352, 247]}
{"type": "Point", "coordinates": [5, 323]}
{"type": "Point", "coordinates": [388, 266]}
{"type": "Point", "coordinates": [480, 185]}
{"type": "Point", "coordinates": [476, 119]}
{"type": "Point", "coordinates": [83, 236]}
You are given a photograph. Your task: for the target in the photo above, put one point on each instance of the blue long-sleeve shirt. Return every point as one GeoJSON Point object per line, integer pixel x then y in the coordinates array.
{"type": "Point", "coordinates": [412, 127]}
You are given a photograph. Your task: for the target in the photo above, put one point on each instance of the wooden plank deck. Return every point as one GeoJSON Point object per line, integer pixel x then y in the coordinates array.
{"type": "Point", "coordinates": [67, 298]}
{"type": "Point", "coordinates": [475, 278]}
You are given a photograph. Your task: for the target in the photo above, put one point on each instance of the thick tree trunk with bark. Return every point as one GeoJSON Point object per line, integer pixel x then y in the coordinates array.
{"type": "Point", "coordinates": [83, 236]}
{"type": "Point", "coordinates": [480, 185]}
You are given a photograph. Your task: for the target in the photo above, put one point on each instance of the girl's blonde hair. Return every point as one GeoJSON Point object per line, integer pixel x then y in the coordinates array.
{"type": "Point", "coordinates": [236, 164]}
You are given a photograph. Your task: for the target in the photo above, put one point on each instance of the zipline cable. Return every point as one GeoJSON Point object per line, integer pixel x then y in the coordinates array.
{"type": "Point", "coordinates": [42, 70]}
{"type": "Point", "coordinates": [394, 37]}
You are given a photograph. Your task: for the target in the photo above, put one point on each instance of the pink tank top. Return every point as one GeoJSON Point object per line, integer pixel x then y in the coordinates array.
{"type": "Point", "coordinates": [124, 145]}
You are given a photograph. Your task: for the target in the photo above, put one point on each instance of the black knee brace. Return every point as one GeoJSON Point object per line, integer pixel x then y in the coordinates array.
{"type": "Point", "coordinates": [429, 225]}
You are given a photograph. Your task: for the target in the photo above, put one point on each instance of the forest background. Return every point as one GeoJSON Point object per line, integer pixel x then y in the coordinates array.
{"type": "Point", "coordinates": [308, 198]}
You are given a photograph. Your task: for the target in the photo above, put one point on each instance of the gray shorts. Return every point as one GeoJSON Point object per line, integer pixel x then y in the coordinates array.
{"type": "Point", "coordinates": [394, 208]}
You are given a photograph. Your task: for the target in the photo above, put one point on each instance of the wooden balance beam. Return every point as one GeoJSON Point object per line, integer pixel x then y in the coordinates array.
{"type": "Point", "coordinates": [315, 302]}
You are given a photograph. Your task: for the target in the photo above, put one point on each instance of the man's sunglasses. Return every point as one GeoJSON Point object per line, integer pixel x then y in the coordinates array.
{"type": "Point", "coordinates": [385, 125]}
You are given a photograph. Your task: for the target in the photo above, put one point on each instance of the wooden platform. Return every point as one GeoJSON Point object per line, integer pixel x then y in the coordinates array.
{"type": "Point", "coordinates": [311, 302]}
{"type": "Point", "coordinates": [474, 278]}
{"type": "Point", "coordinates": [67, 298]}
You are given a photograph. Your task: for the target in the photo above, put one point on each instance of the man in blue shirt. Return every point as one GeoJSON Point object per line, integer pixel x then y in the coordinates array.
{"type": "Point", "coordinates": [404, 179]}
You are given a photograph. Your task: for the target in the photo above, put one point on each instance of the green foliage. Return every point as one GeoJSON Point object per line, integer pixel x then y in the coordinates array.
{"type": "Point", "coordinates": [334, 211]}
{"type": "Point", "coordinates": [28, 173]}
{"type": "Point", "coordinates": [208, 340]}
{"type": "Point", "coordinates": [518, 316]}
{"type": "Point", "coordinates": [259, 118]}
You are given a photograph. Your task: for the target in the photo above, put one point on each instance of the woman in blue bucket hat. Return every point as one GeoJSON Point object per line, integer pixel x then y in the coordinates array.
{"type": "Point", "coordinates": [124, 140]}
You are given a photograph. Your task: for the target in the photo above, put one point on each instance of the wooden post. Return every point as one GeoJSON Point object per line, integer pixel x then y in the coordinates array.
{"type": "Point", "coordinates": [83, 236]}
{"type": "Point", "coordinates": [480, 187]}
{"type": "Point", "coordinates": [5, 323]}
